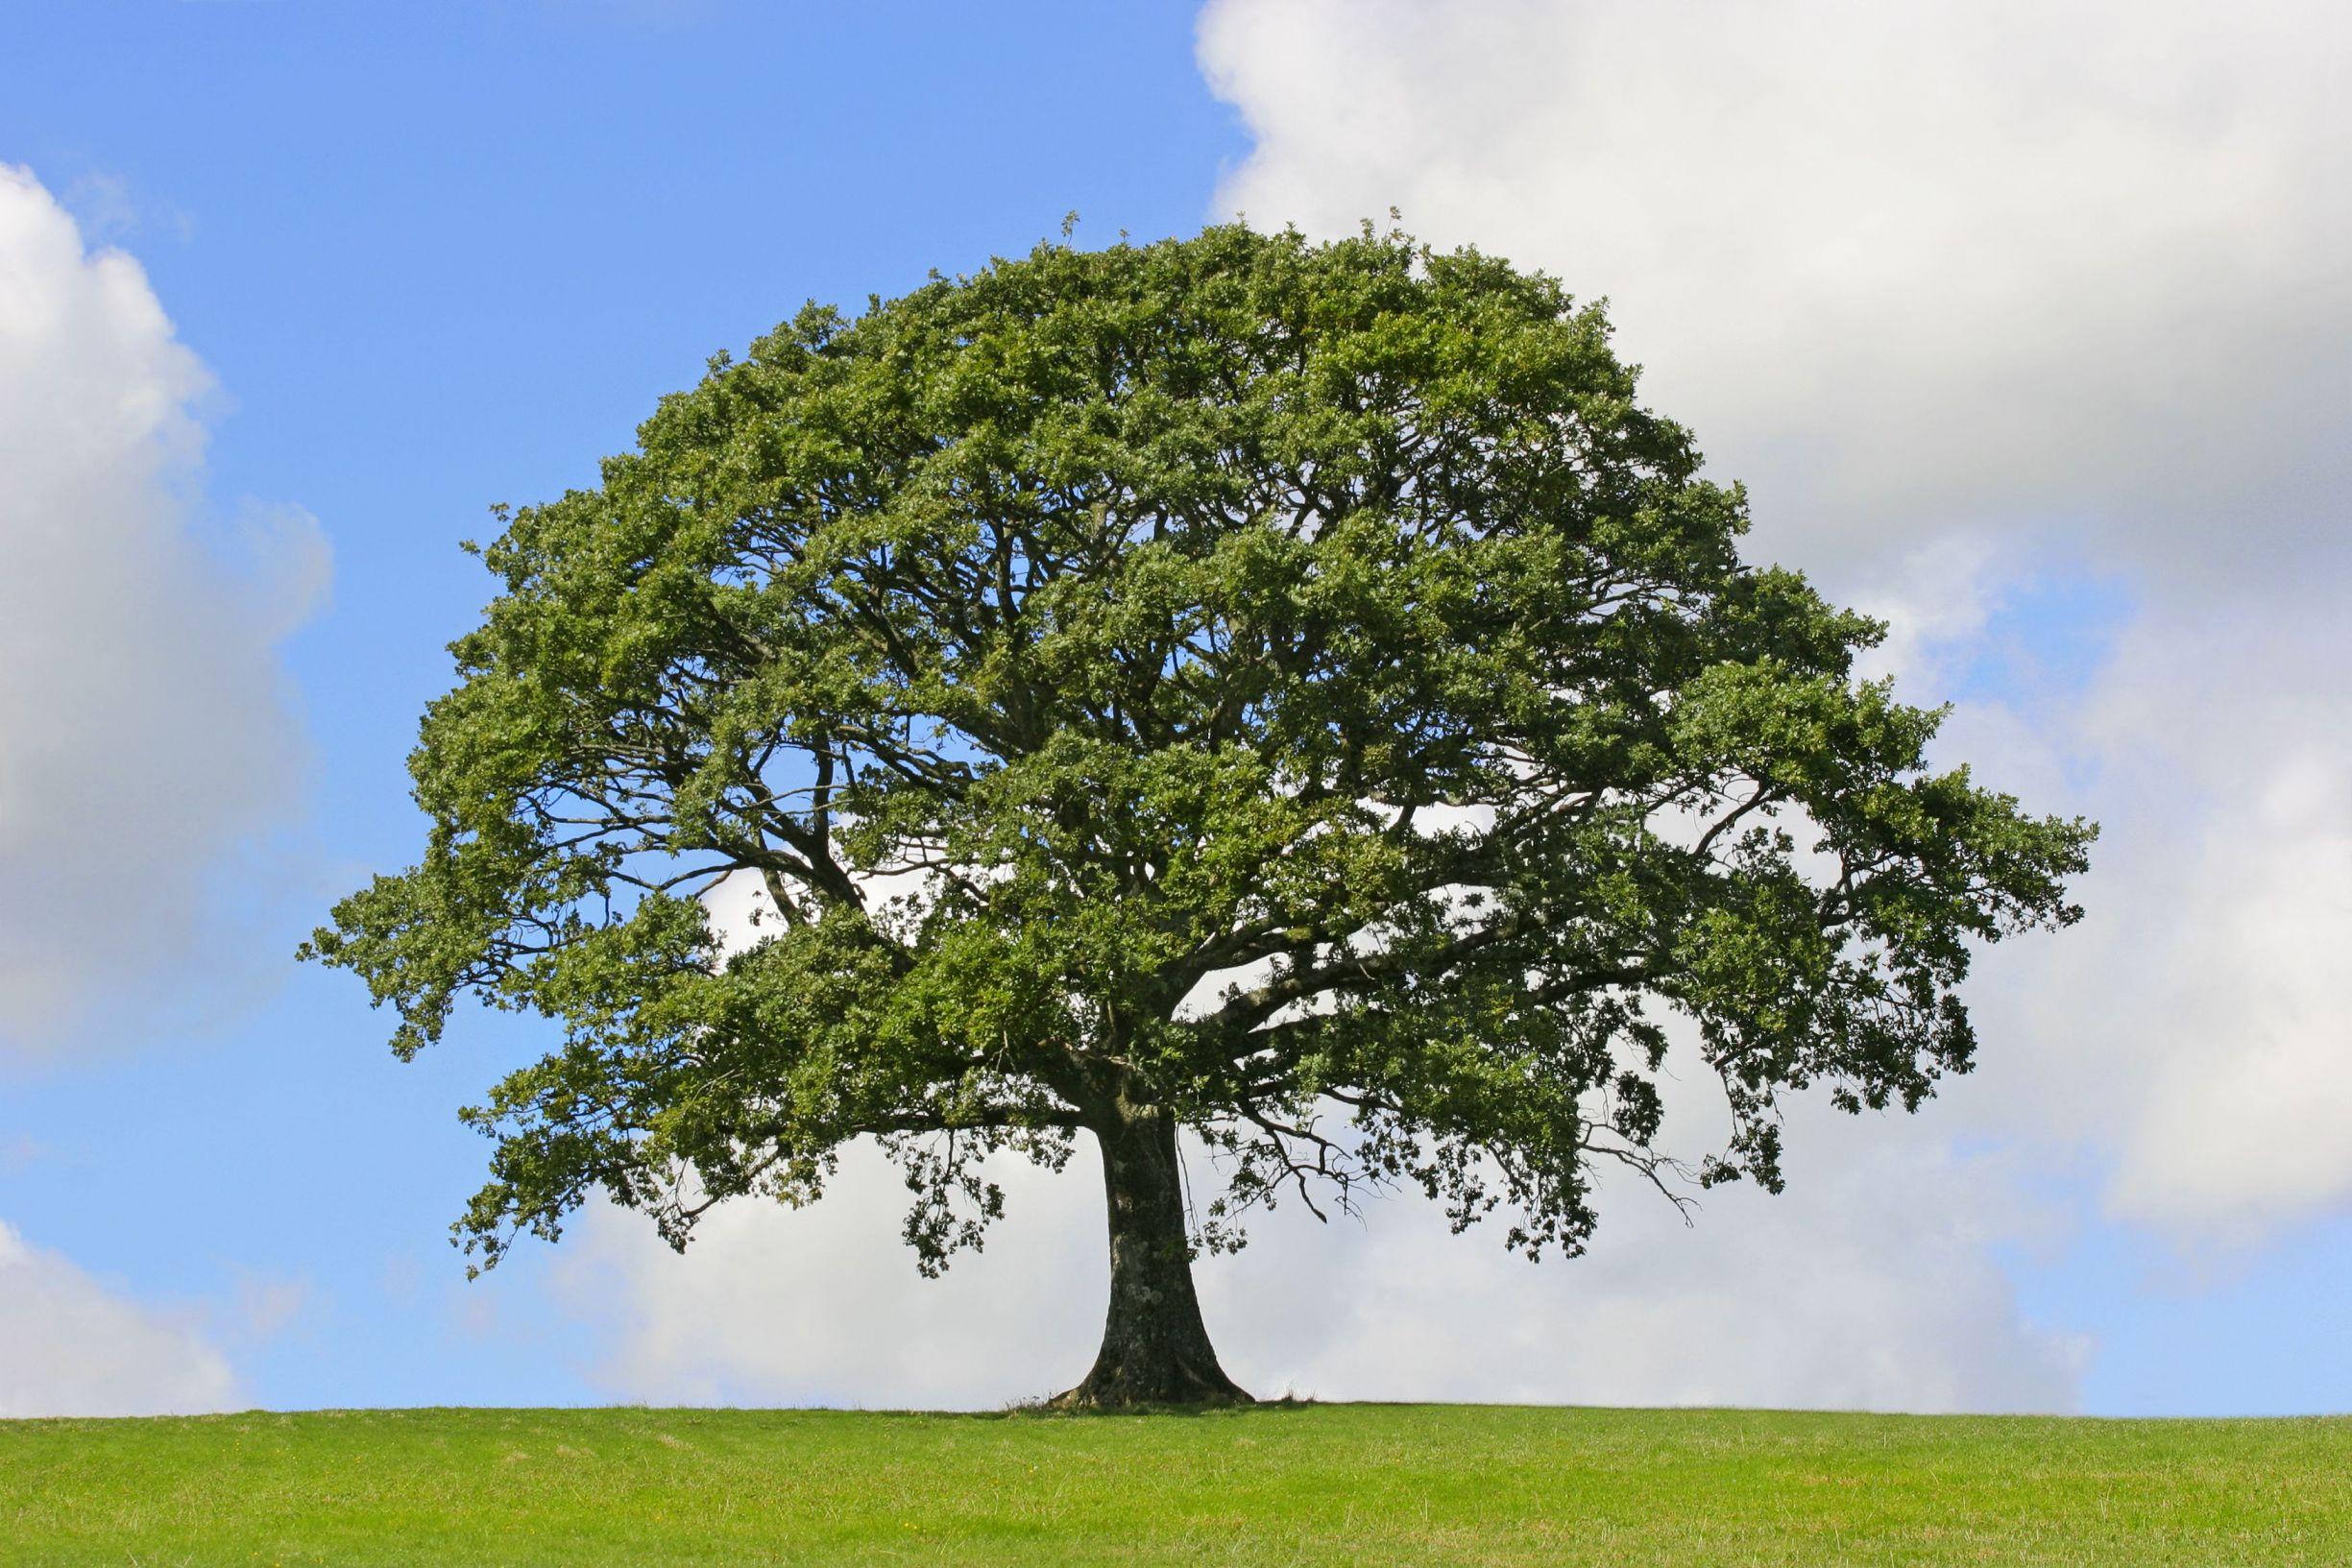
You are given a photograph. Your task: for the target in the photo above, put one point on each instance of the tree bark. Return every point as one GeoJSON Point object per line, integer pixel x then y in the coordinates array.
{"type": "Point", "coordinates": [1155, 1350]}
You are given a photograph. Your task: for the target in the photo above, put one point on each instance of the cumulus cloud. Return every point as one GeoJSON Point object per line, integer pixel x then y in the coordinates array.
{"type": "Point", "coordinates": [1868, 1286]}
{"type": "Point", "coordinates": [70, 1346]}
{"type": "Point", "coordinates": [146, 730]}
{"type": "Point", "coordinates": [2190, 1029]}
{"type": "Point", "coordinates": [1896, 265]}
{"type": "Point", "coordinates": [823, 1305]}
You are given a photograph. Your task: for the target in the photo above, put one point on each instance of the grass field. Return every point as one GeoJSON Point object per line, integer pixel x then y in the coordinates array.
{"type": "Point", "coordinates": [1336, 1483]}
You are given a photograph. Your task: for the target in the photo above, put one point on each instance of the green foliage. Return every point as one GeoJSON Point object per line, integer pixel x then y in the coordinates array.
{"type": "Point", "coordinates": [1294, 685]}
{"type": "Point", "coordinates": [1335, 1484]}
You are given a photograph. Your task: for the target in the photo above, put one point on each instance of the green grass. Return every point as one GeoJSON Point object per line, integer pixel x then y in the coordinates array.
{"type": "Point", "coordinates": [1335, 1484]}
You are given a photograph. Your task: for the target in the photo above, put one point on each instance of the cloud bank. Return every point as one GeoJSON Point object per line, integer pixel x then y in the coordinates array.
{"type": "Point", "coordinates": [146, 729]}
{"type": "Point", "coordinates": [2043, 264]}
{"type": "Point", "coordinates": [1866, 1288]}
{"type": "Point", "coordinates": [2191, 1029]}
{"type": "Point", "coordinates": [69, 1346]}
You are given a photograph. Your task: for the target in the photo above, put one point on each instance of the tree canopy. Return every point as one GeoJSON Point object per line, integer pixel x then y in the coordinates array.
{"type": "Point", "coordinates": [1290, 691]}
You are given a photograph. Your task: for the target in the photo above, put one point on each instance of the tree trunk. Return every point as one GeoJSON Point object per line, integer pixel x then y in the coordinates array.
{"type": "Point", "coordinates": [1155, 1350]}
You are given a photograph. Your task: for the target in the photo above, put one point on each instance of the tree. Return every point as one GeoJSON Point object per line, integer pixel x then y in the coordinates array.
{"type": "Point", "coordinates": [1293, 692]}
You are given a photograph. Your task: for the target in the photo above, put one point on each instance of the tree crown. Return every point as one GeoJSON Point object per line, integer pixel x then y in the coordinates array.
{"type": "Point", "coordinates": [1297, 686]}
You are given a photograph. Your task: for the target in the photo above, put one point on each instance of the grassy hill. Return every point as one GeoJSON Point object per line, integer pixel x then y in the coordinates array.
{"type": "Point", "coordinates": [1341, 1484]}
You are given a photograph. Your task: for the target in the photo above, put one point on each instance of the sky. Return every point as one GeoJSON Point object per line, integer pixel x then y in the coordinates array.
{"type": "Point", "coordinates": [2027, 326]}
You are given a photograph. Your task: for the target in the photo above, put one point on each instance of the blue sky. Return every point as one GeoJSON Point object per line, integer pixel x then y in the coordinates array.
{"type": "Point", "coordinates": [435, 258]}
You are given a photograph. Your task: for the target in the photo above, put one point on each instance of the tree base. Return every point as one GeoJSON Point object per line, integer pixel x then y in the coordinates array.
{"type": "Point", "coordinates": [1156, 1351]}
{"type": "Point", "coordinates": [1185, 1389]}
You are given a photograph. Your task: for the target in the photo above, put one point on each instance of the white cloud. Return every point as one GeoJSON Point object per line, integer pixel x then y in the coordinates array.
{"type": "Point", "coordinates": [2193, 1028]}
{"type": "Point", "coordinates": [1896, 265]}
{"type": "Point", "coordinates": [2245, 1114]}
{"type": "Point", "coordinates": [1867, 1286]}
{"type": "Point", "coordinates": [145, 727]}
{"type": "Point", "coordinates": [823, 1305]}
{"type": "Point", "coordinates": [69, 1346]}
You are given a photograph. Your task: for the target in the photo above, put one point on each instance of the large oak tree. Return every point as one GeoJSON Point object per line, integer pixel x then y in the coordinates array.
{"type": "Point", "coordinates": [1293, 692]}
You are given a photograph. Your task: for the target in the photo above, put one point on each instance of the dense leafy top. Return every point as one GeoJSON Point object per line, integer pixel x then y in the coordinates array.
{"type": "Point", "coordinates": [1296, 685]}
